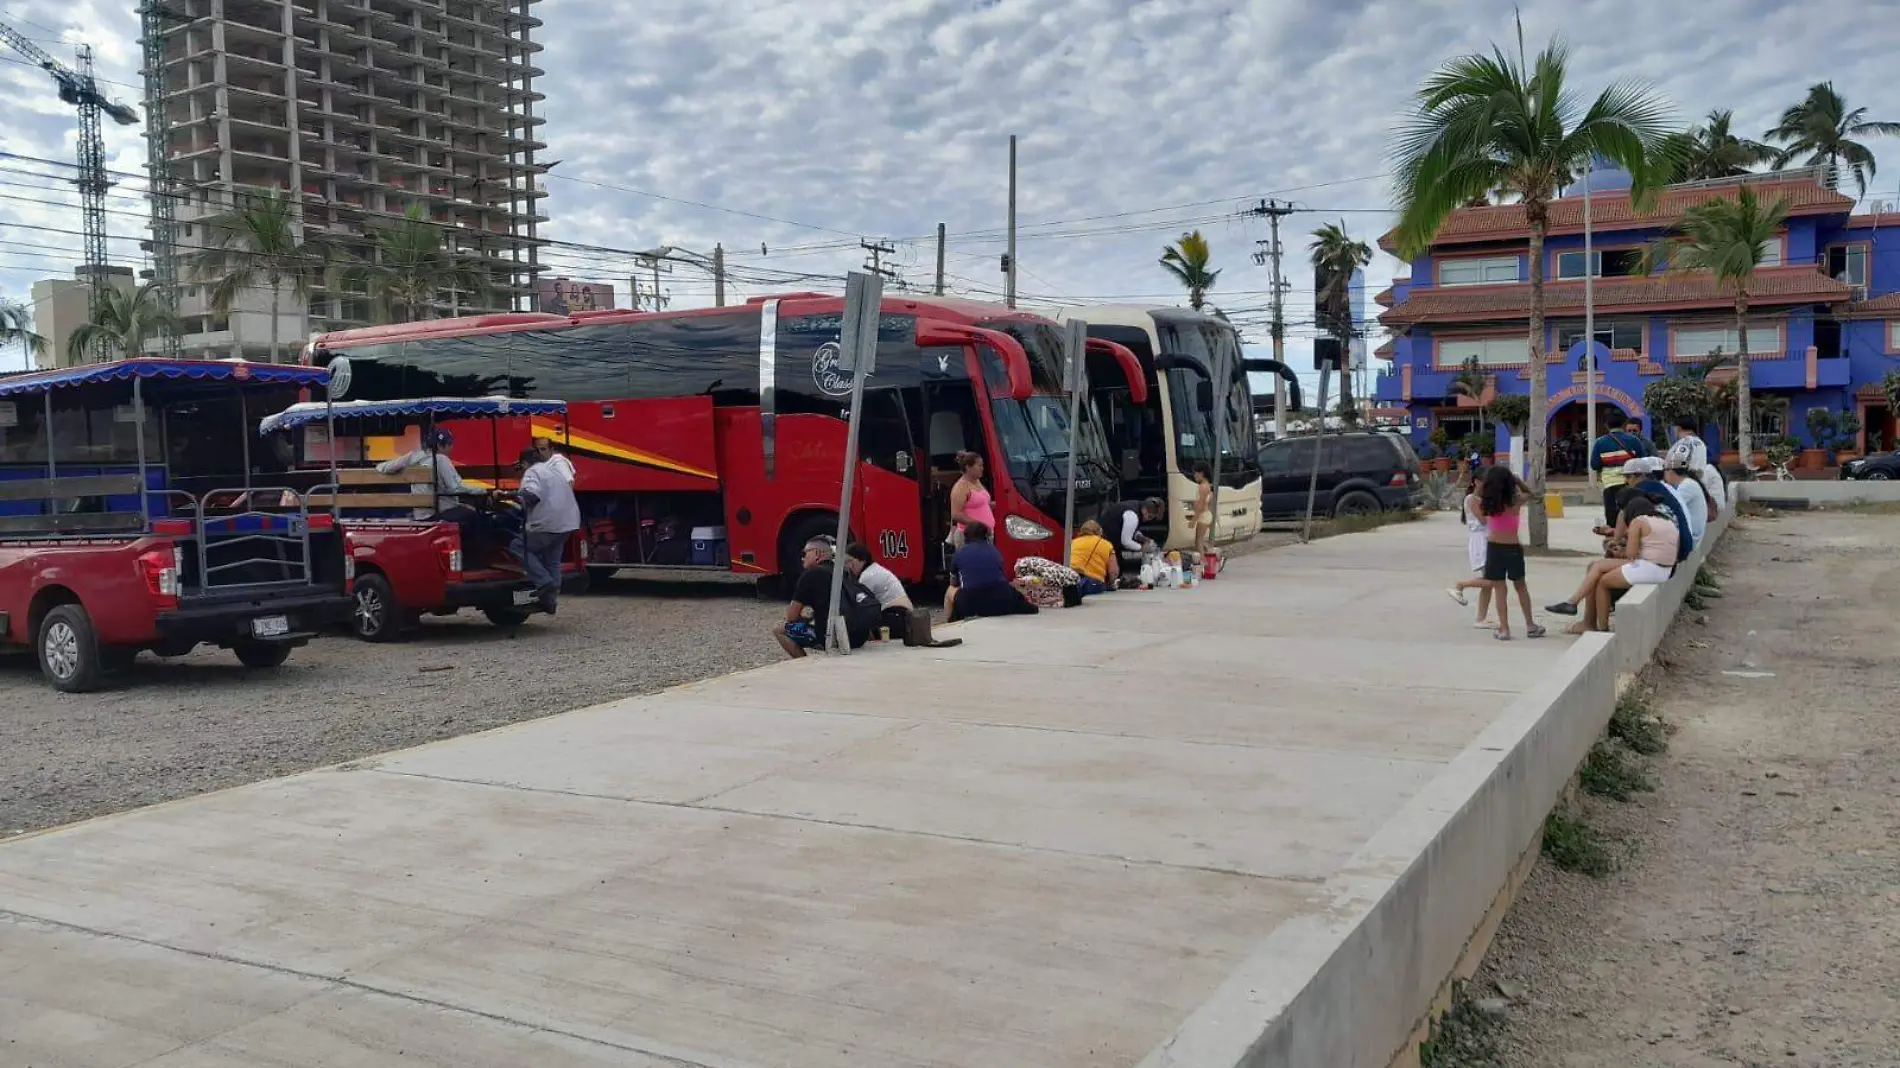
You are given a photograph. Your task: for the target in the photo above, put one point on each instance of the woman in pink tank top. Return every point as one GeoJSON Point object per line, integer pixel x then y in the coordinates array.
{"type": "Point", "coordinates": [969, 501]}
{"type": "Point", "coordinates": [1500, 498]}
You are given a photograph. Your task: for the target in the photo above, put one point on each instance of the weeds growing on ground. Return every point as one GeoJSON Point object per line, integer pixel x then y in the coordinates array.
{"type": "Point", "coordinates": [1572, 845]}
{"type": "Point", "coordinates": [1707, 578]}
{"type": "Point", "coordinates": [1636, 724]}
{"type": "Point", "coordinates": [1611, 771]}
{"type": "Point", "coordinates": [1695, 600]}
{"type": "Point", "coordinates": [1464, 1037]}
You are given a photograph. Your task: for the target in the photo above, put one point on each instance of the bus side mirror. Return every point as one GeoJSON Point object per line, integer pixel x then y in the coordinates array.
{"type": "Point", "coordinates": [1204, 395]}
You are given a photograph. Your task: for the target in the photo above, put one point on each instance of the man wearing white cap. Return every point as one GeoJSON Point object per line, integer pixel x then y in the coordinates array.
{"type": "Point", "coordinates": [1695, 500]}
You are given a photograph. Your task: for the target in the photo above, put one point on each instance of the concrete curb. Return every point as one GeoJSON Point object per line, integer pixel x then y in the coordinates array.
{"type": "Point", "coordinates": [1351, 986]}
{"type": "Point", "coordinates": [1820, 494]}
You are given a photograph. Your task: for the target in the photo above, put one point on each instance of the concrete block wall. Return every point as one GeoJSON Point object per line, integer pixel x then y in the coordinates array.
{"type": "Point", "coordinates": [1820, 494]}
{"type": "Point", "coordinates": [1352, 985]}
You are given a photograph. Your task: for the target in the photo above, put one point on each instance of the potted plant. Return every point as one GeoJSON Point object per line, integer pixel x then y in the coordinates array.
{"type": "Point", "coordinates": [1780, 452]}
{"type": "Point", "coordinates": [1846, 435]}
{"type": "Point", "coordinates": [1822, 428]}
{"type": "Point", "coordinates": [1440, 442]}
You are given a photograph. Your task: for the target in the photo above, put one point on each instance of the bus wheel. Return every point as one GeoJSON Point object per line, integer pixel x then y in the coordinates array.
{"type": "Point", "coordinates": [374, 617]}
{"type": "Point", "coordinates": [262, 654]}
{"type": "Point", "coordinates": [506, 618]}
{"type": "Point", "coordinates": [69, 650]}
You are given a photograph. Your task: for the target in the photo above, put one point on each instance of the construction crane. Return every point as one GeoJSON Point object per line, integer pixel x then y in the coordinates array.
{"type": "Point", "coordinates": [80, 89]}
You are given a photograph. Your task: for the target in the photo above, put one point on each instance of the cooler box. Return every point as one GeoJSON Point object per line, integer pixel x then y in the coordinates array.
{"type": "Point", "coordinates": [709, 547]}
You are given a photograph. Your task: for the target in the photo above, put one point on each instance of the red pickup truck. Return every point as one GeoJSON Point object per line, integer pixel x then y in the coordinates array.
{"type": "Point", "coordinates": [110, 543]}
{"type": "Point", "coordinates": [410, 558]}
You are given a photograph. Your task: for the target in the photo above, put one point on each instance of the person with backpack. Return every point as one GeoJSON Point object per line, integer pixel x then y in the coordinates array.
{"type": "Point", "coordinates": [1608, 454]}
{"type": "Point", "coordinates": [1649, 558]}
{"type": "Point", "coordinates": [807, 615]}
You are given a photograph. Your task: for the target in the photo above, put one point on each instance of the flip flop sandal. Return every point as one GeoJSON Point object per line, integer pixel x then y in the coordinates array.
{"type": "Point", "coordinates": [1535, 631]}
{"type": "Point", "coordinates": [1502, 636]}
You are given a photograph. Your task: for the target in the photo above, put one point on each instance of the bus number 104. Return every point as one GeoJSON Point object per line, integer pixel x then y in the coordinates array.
{"type": "Point", "coordinates": [894, 544]}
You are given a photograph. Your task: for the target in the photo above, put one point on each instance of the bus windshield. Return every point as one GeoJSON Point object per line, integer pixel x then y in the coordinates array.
{"type": "Point", "coordinates": [1037, 429]}
{"type": "Point", "coordinates": [1215, 345]}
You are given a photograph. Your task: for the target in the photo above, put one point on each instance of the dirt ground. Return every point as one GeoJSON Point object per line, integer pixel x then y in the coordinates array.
{"type": "Point", "coordinates": [1755, 916]}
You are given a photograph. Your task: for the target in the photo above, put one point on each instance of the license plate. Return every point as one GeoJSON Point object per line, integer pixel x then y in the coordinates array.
{"type": "Point", "coordinates": [270, 626]}
{"type": "Point", "coordinates": [523, 598]}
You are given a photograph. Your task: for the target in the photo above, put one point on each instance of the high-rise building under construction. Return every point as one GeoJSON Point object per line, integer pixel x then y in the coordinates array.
{"type": "Point", "coordinates": [358, 111]}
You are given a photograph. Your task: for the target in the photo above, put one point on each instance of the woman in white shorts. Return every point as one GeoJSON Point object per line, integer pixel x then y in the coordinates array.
{"type": "Point", "coordinates": [1650, 556]}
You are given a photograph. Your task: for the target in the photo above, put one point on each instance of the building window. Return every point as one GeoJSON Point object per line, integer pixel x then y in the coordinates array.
{"type": "Point", "coordinates": [1488, 351]}
{"type": "Point", "coordinates": [1770, 253]}
{"type": "Point", "coordinates": [1700, 342]}
{"type": "Point", "coordinates": [1475, 271]}
{"type": "Point", "coordinates": [1893, 335]}
{"type": "Point", "coordinates": [1610, 263]}
{"type": "Point", "coordinates": [1611, 333]}
{"type": "Point", "coordinates": [1848, 263]}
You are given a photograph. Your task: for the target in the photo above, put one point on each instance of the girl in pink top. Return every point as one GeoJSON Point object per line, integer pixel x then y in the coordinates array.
{"type": "Point", "coordinates": [969, 501]}
{"type": "Point", "coordinates": [1500, 498]}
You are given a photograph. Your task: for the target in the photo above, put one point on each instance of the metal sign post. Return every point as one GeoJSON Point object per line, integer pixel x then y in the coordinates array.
{"type": "Point", "coordinates": [1075, 380]}
{"type": "Point", "coordinates": [857, 344]}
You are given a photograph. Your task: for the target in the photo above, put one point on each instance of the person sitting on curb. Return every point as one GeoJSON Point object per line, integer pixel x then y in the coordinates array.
{"type": "Point", "coordinates": [1649, 558]}
{"type": "Point", "coordinates": [808, 613]}
{"type": "Point", "coordinates": [982, 586]}
{"type": "Point", "coordinates": [894, 606]}
{"type": "Point", "coordinates": [1687, 486]}
{"type": "Point", "coordinates": [1094, 559]}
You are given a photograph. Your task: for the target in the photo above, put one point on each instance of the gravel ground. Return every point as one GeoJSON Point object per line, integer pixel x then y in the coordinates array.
{"type": "Point", "coordinates": [181, 727]}
{"type": "Point", "coordinates": [1755, 918]}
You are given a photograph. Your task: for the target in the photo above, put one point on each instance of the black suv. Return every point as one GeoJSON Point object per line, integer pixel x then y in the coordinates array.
{"type": "Point", "coordinates": [1360, 473]}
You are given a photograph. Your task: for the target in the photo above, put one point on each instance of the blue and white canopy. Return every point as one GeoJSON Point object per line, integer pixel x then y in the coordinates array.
{"type": "Point", "coordinates": [221, 371]}
{"type": "Point", "coordinates": [451, 407]}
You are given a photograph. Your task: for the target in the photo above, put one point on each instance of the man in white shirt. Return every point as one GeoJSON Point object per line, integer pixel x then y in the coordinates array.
{"type": "Point", "coordinates": [544, 447]}
{"type": "Point", "coordinates": [553, 516]}
{"type": "Point", "coordinates": [1692, 455]}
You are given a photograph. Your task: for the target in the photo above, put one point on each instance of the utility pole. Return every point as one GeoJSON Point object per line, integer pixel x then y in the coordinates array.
{"type": "Point", "coordinates": [633, 292]}
{"type": "Point", "coordinates": [940, 235]}
{"type": "Point", "coordinates": [877, 250]}
{"type": "Point", "coordinates": [1009, 258]}
{"type": "Point", "coordinates": [719, 276]}
{"type": "Point", "coordinates": [1274, 210]}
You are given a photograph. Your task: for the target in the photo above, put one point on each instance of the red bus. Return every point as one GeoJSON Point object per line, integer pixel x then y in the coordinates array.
{"type": "Point", "coordinates": [715, 438]}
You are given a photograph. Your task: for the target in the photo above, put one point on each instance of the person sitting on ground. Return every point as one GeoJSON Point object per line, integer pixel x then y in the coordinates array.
{"type": "Point", "coordinates": [982, 586]}
{"type": "Point", "coordinates": [808, 613]}
{"type": "Point", "coordinates": [893, 604]}
{"type": "Point", "coordinates": [1688, 488]}
{"type": "Point", "coordinates": [1649, 559]}
{"type": "Point", "coordinates": [1123, 521]}
{"type": "Point", "coordinates": [1094, 558]}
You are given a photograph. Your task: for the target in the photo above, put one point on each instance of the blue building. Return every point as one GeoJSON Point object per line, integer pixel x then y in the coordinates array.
{"type": "Point", "coordinates": [1824, 327]}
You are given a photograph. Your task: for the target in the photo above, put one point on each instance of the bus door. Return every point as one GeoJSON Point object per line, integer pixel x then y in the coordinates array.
{"type": "Point", "coordinates": [951, 425]}
{"type": "Point", "coordinates": [892, 497]}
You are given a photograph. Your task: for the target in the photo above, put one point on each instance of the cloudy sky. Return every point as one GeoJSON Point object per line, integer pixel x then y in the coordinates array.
{"type": "Point", "coordinates": [805, 127]}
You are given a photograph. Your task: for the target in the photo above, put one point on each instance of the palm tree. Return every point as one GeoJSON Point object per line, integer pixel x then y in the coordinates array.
{"type": "Point", "coordinates": [410, 268]}
{"type": "Point", "coordinates": [1823, 129]}
{"type": "Point", "coordinates": [1713, 150]}
{"type": "Point", "coordinates": [1187, 261]}
{"type": "Point", "coordinates": [16, 324]}
{"type": "Point", "coordinates": [1726, 237]}
{"type": "Point", "coordinates": [123, 320]}
{"type": "Point", "coordinates": [1488, 124]}
{"type": "Point", "coordinates": [1471, 381]}
{"type": "Point", "coordinates": [258, 244]}
{"type": "Point", "coordinates": [1336, 256]}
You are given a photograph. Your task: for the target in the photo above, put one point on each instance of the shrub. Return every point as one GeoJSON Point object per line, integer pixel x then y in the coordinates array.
{"type": "Point", "coordinates": [1573, 846]}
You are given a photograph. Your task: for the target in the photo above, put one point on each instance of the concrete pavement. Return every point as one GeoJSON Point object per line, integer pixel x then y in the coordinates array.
{"type": "Point", "coordinates": [1049, 846]}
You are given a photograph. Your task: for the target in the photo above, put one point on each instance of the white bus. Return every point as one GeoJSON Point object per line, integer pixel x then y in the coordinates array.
{"type": "Point", "coordinates": [1158, 444]}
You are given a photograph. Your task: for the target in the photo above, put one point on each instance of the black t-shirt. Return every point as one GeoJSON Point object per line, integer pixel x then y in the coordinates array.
{"type": "Point", "coordinates": [859, 604]}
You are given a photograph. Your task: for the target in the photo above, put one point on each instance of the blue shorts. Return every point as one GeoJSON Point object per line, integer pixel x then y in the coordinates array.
{"type": "Point", "coordinates": [804, 635]}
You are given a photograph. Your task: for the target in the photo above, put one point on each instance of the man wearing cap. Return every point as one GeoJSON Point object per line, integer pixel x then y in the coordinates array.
{"type": "Point", "coordinates": [1692, 455]}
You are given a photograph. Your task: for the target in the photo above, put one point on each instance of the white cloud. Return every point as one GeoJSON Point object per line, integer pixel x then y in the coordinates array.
{"type": "Point", "coordinates": [880, 118]}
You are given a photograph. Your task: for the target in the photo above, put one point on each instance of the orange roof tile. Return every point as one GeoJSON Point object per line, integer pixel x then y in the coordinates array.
{"type": "Point", "coordinates": [1384, 297]}
{"type": "Point", "coordinates": [1387, 350]}
{"type": "Point", "coordinates": [1884, 306]}
{"type": "Point", "coordinates": [1799, 284]}
{"type": "Point", "coordinates": [1614, 211]}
